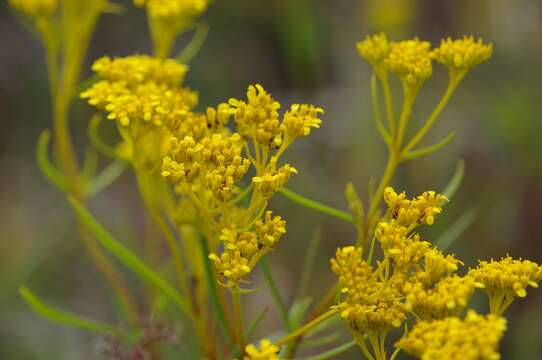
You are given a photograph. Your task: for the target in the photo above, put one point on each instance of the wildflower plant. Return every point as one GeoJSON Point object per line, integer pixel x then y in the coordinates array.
{"type": "Point", "coordinates": [206, 178]}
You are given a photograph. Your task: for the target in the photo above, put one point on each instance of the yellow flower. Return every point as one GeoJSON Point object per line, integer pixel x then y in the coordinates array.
{"type": "Point", "coordinates": [403, 251]}
{"type": "Point", "coordinates": [231, 265]}
{"type": "Point", "coordinates": [419, 210]}
{"type": "Point", "coordinates": [411, 61]}
{"type": "Point", "coordinates": [35, 8]}
{"type": "Point", "coordinates": [246, 242]}
{"type": "Point", "coordinates": [370, 305]}
{"type": "Point", "coordinates": [436, 266]}
{"type": "Point", "coordinates": [506, 279]}
{"type": "Point", "coordinates": [462, 54]}
{"type": "Point", "coordinates": [448, 297]}
{"type": "Point", "coordinates": [299, 120]}
{"type": "Point", "coordinates": [174, 10]}
{"type": "Point", "coordinates": [214, 162]}
{"type": "Point", "coordinates": [139, 69]}
{"type": "Point", "coordinates": [258, 118]}
{"type": "Point", "coordinates": [267, 351]}
{"type": "Point", "coordinates": [273, 179]}
{"type": "Point", "coordinates": [270, 229]}
{"type": "Point", "coordinates": [375, 49]}
{"type": "Point", "coordinates": [476, 337]}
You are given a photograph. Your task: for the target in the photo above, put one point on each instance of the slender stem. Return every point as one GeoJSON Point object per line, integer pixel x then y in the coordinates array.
{"type": "Point", "coordinates": [308, 326]}
{"type": "Point", "coordinates": [311, 204]}
{"type": "Point", "coordinates": [383, 76]}
{"type": "Point", "coordinates": [236, 302]}
{"type": "Point", "coordinates": [454, 81]}
{"type": "Point", "coordinates": [406, 111]}
{"type": "Point", "coordinates": [275, 293]}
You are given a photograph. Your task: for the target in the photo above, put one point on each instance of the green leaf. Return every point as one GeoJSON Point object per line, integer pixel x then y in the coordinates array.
{"type": "Point", "coordinates": [324, 340]}
{"type": "Point", "coordinates": [331, 354]}
{"type": "Point", "coordinates": [213, 293]}
{"type": "Point", "coordinates": [413, 154]}
{"type": "Point", "coordinates": [196, 43]}
{"type": "Point", "coordinates": [96, 139]}
{"type": "Point", "coordinates": [279, 302]}
{"type": "Point", "coordinates": [298, 311]}
{"type": "Point", "coordinates": [308, 264]}
{"type": "Point", "coordinates": [448, 237]}
{"type": "Point", "coordinates": [376, 109]}
{"type": "Point", "coordinates": [64, 317]}
{"type": "Point", "coordinates": [311, 204]}
{"type": "Point", "coordinates": [46, 166]}
{"type": "Point", "coordinates": [129, 259]}
{"type": "Point", "coordinates": [106, 177]}
{"type": "Point", "coordinates": [254, 325]}
{"type": "Point", "coordinates": [456, 180]}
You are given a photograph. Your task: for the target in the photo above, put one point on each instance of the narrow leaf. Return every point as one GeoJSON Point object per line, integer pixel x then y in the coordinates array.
{"type": "Point", "coordinates": [376, 109]}
{"type": "Point", "coordinates": [453, 233]}
{"type": "Point", "coordinates": [324, 340]}
{"type": "Point", "coordinates": [456, 180]}
{"type": "Point", "coordinates": [254, 325]}
{"type": "Point", "coordinates": [429, 149]}
{"type": "Point", "coordinates": [96, 139]}
{"type": "Point", "coordinates": [106, 177]}
{"type": "Point", "coordinates": [279, 302]}
{"type": "Point", "coordinates": [331, 354]}
{"type": "Point", "coordinates": [195, 45]}
{"type": "Point", "coordinates": [314, 205]}
{"type": "Point", "coordinates": [45, 165]}
{"type": "Point", "coordinates": [129, 259]}
{"type": "Point", "coordinates": [308, 264]}
{"type": "Point", "coordinates": [64, 317]}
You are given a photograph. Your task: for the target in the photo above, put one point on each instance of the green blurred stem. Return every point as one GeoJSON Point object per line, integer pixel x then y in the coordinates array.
{"type": "Point", "coordinates": [64, 317]}
{"type": "Point", "coordinates": [236, 303]}
{"type": "Point", "coordinates": [383, 76]}
{"type": "Point", "coordinates": [311, 204]}
{"type": "Point", "coordinates": [275, 293]}
{"type": "Point", "coordinates": [331, 354]}
{"type": "Point", "coordinates": [453, 83]}
{"type": "Point", "coordinates": [305, 328]}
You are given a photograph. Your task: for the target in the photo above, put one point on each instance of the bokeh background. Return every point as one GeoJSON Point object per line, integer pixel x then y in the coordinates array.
{"type": "Point", "coordinates": [300, 50]}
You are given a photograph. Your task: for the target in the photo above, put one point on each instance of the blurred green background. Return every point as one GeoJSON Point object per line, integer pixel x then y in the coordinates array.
{"type": "Point", "coordinates": [301, 51]}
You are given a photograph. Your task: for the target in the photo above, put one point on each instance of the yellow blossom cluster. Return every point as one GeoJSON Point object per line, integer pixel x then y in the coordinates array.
{"type": "Point", "coordinates": [243, 248]}
{"type": "Point", "coordinates": [213, 164]}
{"type": "Point", "coordinates": [266, 351]}
{"type": "Point", "coordinates": [174, 10]}
{"type": "Point", "coordinates": [369, 305]}
{"type": "Point", "coordinates": [462, 53]}
{"type": "Point", "coordinates": [35, 8]}
{"type": "Point", "coordinates": [411, 59]}
{"type": "Point", "coordinates": [258, 118]}
{"type": "Point", "coordinates": [140, 89]}
{"type": "Point", "coordinates": [421, 209]}
{"type": "Point", "coordinates": [476, 337]}
{"type": "Point", "coordinates": [506, 279]}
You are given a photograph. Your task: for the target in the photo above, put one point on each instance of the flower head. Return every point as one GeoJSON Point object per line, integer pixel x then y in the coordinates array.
{"type": "Point", "coordinates": [174, 10]}
{"type": "Point", "coordinates": [375, 49]}
{"type": "Point", "coordinates": [507, 276]}
{"type": "Point", "coordinates": [270, 229]}
{"type": "Point", "coordinates": [411, 61]}
{"type": "Point", "coordinates": [462, 54]}
{"type": "Point", "coordinates": [266, 351]}
{"type": "Point", "coordinates": [476, 337]}
{"type": "Point", "coordinates": [419, 210]}
{"type": "Point", "coordinates": [299, 120]}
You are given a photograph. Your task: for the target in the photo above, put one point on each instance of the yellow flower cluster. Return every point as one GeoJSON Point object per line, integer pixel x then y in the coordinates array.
{"type": "Point", "coordinates": [266, 351]}
{"type": "Point", "coordinates": [140, 89]}
{"type": "Point", "coordinates": [506, 279]}
{"type": "Point", "coordinates": [258, 118]}
{"type": "Point", "coordinates": [421, 209]}
{"type": "Point", "coordinates": [370, 305]}
{"type": "Point", "coordinates": [273, 179]}
{"type": "Point", "coordinates": [476, 337]}
{"type": "Point", "coordinates": [35, 8]}
{"type": "Point", "coordinates": [375, 49]}
{"type": "Point", "coordinates": [462, 53]}
{"type": "Point", "coordinates": [213, 164]}
{"type": "Point", "coordinates": [242, 248]}
{"type": "Point", "coordinates": [411, 59]}
{"type": "Point", "coordinates": [173, 10]}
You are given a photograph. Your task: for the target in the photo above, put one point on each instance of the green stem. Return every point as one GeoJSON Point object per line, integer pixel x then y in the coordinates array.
{"type": "Point", "coordinates": [236, 302]}
{"type": "Point", "coordinates": [383, 76]}
{"type": "Point", "coordinates": [308, 326]}
{"type": "Point", "coordinates": [453, 83]}
{"type": "Point", "coordinates": [275, 293]}
{"type": "Point", "coordinates": [311, 204]}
